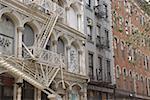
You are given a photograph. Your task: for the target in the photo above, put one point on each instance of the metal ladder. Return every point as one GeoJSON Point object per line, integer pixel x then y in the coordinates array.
{"type": "Point", "coordinates": [46, 31]}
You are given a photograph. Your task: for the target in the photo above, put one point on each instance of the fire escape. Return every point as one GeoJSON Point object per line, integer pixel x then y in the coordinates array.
{"type": "Point", "coordinates": [38, 66]}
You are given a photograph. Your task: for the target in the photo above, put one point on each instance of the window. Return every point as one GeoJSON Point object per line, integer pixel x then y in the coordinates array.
{"type": "Point", "coordinates": [72, 17]}
{"type": "Point", "coordinates": [79, 24]}
{"type": "Point", "coordinates": [105, 11]}
{"type": "Point", "coordinates": [148, 86]}
{"type": "Point", "coordinates": [100, 62]}
{"type": "Point", "coordinates": [121, 20]}
{"type": "Point", "coordinates": [146, 61]}
{"type": "Point", "coordinates": [118, 71]}
{"type": "Point", "coordinates": [115, 42]}
{"type": "Point", "coordinates": [99, 70]}
{"type": "Point", "coordinates": [7, 35]}
{"type": "Point", "coordinates": [6, 87]}
{"type": "Point", "coordinates": [141, 78]}
{"type": "Point", "coordinates": [89, 28]}
{"type": "Point", "coordinates": [122, 45]}
{"type": "Point", "coordinates": [124, 72]}
{"type": "Point", "coordinates": [130, 53]}
{"type": "Point", "coordinates": [135, 54]}
{"type": "Point", "coordinates": [73, 60]}
{"type": "Point", "coordinates": [107, 38]}
{"type": "Point", "coordinates": [89, 32]}
{"type": "Point", "coordinates": [88, 2]}
{"type": "Point", "coordinates": [142, 22]}
{"type": "Point", "coordinates": [90, 60]}
{"type": "Point", "coordinates": [108, 70]}
{"type": "Point", "coordinates": [28, 35]}
{"type": "Point", "coordinates": [74, 95]}
{"type": "Point", "coordinates": [123, 49]}
{"type": "Point", "coordinates": [98, 30]}
{"type": "Point", "coordinates": [137, 77]}
{"type": "Point", "coordinates": [130, 74]}
{"type": "Point", "coordinates": [60, 47]}
{"type": "Point", "coordinates": [126, 26]}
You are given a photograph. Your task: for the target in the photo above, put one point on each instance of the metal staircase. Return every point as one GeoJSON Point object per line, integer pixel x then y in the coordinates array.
{"type": "Point", "coordinates": [38, 66]}
{"type": "Point", "coordinates": [46, 31]}
{"type": "Point", "coordinates": [37, 74]}
{"type": "Point", "coordinates": [52, 9]}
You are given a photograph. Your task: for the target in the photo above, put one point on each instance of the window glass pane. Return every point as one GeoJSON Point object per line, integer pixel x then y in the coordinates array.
{"type": "Point", "coordinates": [98, 30]}
{"type": "Point", "coordinates": [73, 61]}
{"type": "Point", "coordinates": [90, 60]}
{"type": "Point", "coordinates": [60, 46]}
{"type": "Point", "coordinates": [89, 30]}
{"type": "Point", "coordinates": [7, 35]}
{"type": "Point", "coordinates": [28, 35]}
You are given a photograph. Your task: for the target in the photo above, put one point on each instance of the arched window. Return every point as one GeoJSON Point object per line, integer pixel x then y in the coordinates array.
{"type": "Point", "coordinates": [122, 45]}
{"type": "Point", "coordinates": [137, 77]}
{"type": "Point", "coordinates": [123, 50]}
{"type": "Point", "coordinates": [125, 72]}
{"type": "Point", "coordinates": [73, 60]}
{"type": "Point", "coordinates": [28, 35]}
{"type": "Point", "coordinates": [118, 71]}
{"type": "Point", "coordinates": [142, 79]}
{"type": "Point", "coordinates": [7, 35]}
{"type": "Point", "coordinates": [130, 74]}
{"type": "Point", "coordinates": [115, 42]}
{"type": "Point", "coordinates": [130, 53]}
{"type": "Point", "coordinates": [75, 93]}
{"type": "Point", "coordinates": [72, 17]}
{"type": "Point", "coordinates": [60, 47]}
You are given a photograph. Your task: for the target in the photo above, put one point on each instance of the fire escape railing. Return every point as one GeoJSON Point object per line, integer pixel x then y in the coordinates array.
{"type": "Point", "coordinates": [38, 66]}
{"type": "Point", "coordinates": [45, 5]}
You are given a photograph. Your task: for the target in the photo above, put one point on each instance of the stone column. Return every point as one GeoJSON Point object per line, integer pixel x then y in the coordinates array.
{"type": "Point", "coordinates": [19, 88]}
{"type": "Point", "coordinates": [67, 55]}
{"type": "Point", "coordinates": [19, 46]}
{"type": "Point", "coordinates": [84, 91]}
{"type": "Point", "coordinates": [80, 61]}
{"type": "Point", "coordinates": [38, 95]}
{"type": "Point", "coordinates": [19, 92]}
{"type": "Point", "coordinates": [15, 92]}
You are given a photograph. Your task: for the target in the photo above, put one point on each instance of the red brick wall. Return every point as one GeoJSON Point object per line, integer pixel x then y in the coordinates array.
{"type": "Point", "coordinates": [127, 83]}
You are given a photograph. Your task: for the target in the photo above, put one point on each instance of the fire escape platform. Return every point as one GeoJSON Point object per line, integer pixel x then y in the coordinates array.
{"type": "Point", "coordinates": [38, 66]}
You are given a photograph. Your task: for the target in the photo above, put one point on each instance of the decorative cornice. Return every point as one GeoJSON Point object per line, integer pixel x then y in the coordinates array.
{"type": "Point", "coordinates": [64, 26]}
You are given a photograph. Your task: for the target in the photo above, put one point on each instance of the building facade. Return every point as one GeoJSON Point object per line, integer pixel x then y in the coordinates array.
{"type": "Point", "coordinates": [131, 50]}
{"type": "Point", "coordinates": [99, 52]}
{"type": "Point", "coordinates": [42, 50]}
